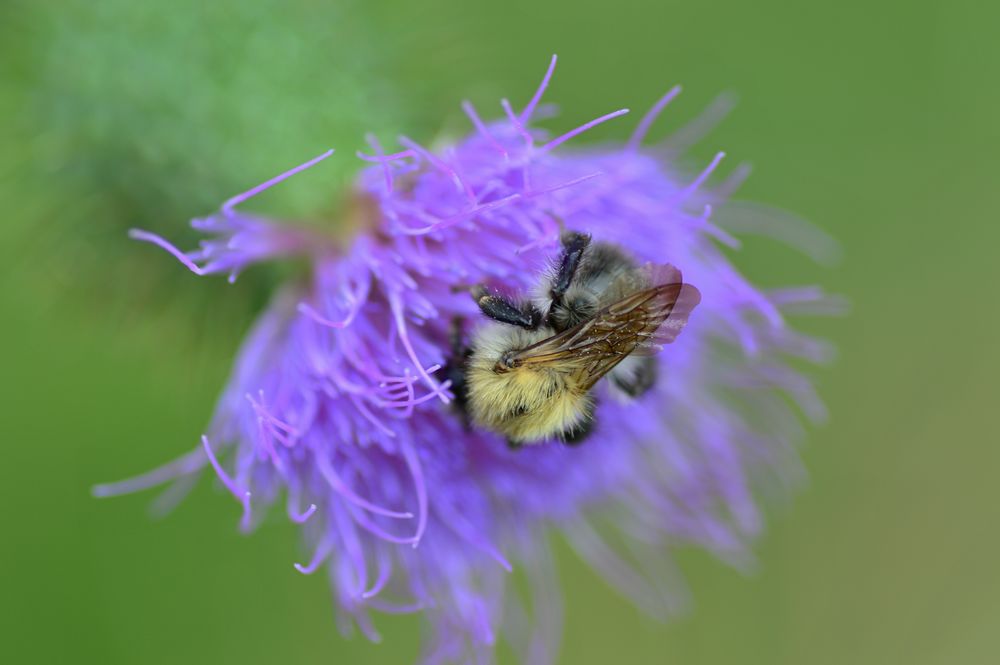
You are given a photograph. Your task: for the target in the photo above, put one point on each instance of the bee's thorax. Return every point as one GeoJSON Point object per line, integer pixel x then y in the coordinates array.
{"type": "Point", "coordinates": [577, 306]}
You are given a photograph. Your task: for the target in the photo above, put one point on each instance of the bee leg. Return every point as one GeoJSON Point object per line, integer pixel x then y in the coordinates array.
{"type": "Point", "coordinates": [454, 371]}
{"type": "Point", "coordinates": [577, 435]}
{"type": "Point", "coordinates": [514, 445]}
{"type": "Point", "coordinates": [503, 310]}
{"type": "Point", "coordinates": [636, 377]}
{"type": "Point", "coordinates": [458, 348]}
{"type": "Point", "coordinates": [574, 244]}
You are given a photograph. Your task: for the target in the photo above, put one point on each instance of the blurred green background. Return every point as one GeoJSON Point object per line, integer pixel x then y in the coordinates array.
{"type": "Point", "coordinates": [875, 120]}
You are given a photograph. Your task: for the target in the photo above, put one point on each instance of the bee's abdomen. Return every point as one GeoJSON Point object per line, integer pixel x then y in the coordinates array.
{"type": "Point", "coordinates": [524, 405]}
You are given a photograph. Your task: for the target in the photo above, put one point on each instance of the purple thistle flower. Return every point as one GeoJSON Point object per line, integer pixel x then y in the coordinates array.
{"type": "Point", "coordinates": [338, 404]}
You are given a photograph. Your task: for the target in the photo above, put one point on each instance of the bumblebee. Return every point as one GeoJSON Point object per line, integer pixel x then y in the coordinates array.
{"type": "Point", "coordinates": [529, 370]}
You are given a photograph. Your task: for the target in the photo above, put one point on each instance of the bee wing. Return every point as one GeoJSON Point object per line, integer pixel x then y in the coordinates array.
{"type": "Point", "coordinates": [640, 322]}
{"type": "Point", "coordinates": [678, 305]}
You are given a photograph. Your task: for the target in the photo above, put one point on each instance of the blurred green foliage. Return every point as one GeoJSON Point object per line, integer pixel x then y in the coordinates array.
{"type": "Point", "coordinates": [877, 121]}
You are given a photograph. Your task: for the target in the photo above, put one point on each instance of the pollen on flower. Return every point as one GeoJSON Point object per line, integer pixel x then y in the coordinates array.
{"type": "Point", "coordinates": [341, 403]}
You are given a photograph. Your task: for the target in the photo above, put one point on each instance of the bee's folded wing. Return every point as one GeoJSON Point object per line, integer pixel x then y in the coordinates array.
{"type": "Point", "coordinates": [675, 301]}
{"type": "Point", "coordinates": [638, 323]}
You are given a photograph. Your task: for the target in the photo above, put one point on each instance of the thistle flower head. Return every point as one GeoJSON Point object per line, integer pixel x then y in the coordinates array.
{"type": "Point", "coordinates": [339, 407]}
